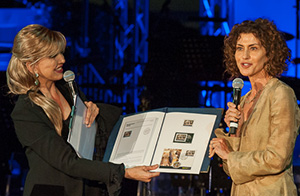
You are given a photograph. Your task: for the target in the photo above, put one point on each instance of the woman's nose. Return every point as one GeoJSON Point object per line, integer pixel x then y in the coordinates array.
{"type": "Point", "coordinates": [246, 54]}
{"type": "Point", "coordinates": [61, 58]}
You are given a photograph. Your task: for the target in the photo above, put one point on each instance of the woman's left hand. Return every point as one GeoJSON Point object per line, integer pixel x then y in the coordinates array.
{"type": "Point", "coordinates": [91, 113]}
{"type": "Point", "coordinates": [219, 146]}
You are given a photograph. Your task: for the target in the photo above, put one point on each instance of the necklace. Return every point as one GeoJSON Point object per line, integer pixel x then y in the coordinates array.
{"type": "Point", "coordinates": [256, 95]}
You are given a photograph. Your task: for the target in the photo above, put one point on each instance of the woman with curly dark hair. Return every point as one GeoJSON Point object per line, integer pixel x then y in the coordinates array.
{"type": "Point", "coordinates": [258, 157]}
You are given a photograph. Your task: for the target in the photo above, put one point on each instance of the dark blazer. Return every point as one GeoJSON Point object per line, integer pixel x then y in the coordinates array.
{"type": "Point", "coordinates": [54, 166]}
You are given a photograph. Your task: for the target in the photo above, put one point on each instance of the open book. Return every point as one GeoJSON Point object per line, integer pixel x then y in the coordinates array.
{"type": "Point", "coordinates": [175, 138]}
{"type": "Point", "coordinates": [82, 138]}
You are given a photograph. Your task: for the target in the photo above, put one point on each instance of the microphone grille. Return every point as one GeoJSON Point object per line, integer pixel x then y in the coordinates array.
{"type": "Point", "coordinates": [238, 83]}
{"type": "Point", "coordinates": [69, 76]}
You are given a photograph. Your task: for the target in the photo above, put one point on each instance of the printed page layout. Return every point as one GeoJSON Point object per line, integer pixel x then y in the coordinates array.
{"type": "Point", "coordinates": [183, 142]}
{"type": "Point", "coordinates": [137, 138]}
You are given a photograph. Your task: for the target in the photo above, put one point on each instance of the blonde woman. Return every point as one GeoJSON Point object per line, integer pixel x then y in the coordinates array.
{"type": "Point", "coordinates": [41, 118]}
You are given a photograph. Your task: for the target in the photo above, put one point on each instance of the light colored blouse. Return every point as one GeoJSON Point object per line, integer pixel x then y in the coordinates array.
{"type": "Point", "coordinates": [261, 160]}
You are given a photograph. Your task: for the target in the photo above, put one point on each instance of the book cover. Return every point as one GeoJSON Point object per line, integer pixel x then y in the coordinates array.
{"type": "Point", "coordinates": [81, 137]}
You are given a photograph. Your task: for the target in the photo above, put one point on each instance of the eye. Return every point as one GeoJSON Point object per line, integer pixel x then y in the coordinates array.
{"type": "Point", "coordinates": [253, 48]}
{"type": "Point", "coordinates": [239, 48]}
{"type": "Point", "coordinates": [53, 56]}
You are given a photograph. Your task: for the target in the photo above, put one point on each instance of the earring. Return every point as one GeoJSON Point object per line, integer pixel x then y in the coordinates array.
{"type": "Point", "coordinates": [36, 82]}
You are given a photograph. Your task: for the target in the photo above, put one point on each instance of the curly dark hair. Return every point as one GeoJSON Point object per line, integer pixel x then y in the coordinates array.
{"type": "Point", "coordinates": [271, 39]}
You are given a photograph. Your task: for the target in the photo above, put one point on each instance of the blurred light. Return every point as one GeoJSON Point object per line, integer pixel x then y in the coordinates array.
{"type": "Point", "coordinates": [227, 129]}
{"type": "Point", "coordinates": [217, 32]}
{"type": "Point", "coordinates": [207, 8]}
{"type": "Point", "coordinates": [226, 27]}
{"type": "Point", "coordinates": [16, 168]}
{"type": "Point", "coordinates": [221, 190]}
{"type": "Point", "coordinates": [203, 93]}
{"type": "Point", "coordinates": [208, 103]}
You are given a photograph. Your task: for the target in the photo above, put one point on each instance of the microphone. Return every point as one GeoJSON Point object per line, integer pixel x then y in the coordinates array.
{"type": "Point", "coordinates": [237, 85]}
{"type": "Point", "coordinates": [69, 77]}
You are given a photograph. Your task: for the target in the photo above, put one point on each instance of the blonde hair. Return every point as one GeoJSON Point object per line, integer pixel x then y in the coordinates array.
{"type": "Point", "coordinates": [31, 44]}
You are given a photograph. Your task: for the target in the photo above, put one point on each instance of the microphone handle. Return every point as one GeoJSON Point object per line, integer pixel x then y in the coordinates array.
{"type": "Point", "coordinates": [236, 101]}
{"type": "Point", "coordinates": [232, 130]}
{"type": "Point", "coordinates": [72, 88]}
{"type": "Point", "coordinates": [236, 96]}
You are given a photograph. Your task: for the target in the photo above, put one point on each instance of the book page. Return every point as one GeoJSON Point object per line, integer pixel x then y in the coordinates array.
{"type": "Point", "coordinates": [137, 139]}
{"type": "Point", "coordinates": [183, 142]}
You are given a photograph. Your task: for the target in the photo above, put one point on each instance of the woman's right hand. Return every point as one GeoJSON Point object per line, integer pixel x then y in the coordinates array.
{"type": "Point", "coordinates": [233, 114]}
{"type": "Point", "coordinates": [141, 173]}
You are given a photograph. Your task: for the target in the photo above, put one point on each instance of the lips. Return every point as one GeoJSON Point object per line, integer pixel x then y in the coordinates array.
{"type": "Point", "coordinates": [246, 65]}
{"type": "Point", "coordinates": [59, 70]}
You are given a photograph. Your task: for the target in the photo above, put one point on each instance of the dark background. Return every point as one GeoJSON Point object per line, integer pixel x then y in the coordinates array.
{"type": "Point", "coordinates": [183, 68]}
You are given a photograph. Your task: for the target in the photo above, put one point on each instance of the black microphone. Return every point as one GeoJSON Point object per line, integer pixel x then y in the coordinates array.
{"type": "Point", "coordinates": [69, 77]}
{"type": "Point", "coordinates": [237, 85]}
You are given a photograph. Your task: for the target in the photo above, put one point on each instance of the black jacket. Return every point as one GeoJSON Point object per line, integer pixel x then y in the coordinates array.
{"type": "Point", "coordinates": [53, 164]}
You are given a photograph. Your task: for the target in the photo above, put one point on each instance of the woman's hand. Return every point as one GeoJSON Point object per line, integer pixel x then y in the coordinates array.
{"type": "Point", "coordinates": [234, 114]}
{"type": "Point", "coordinates": [218, 146]}
{"type": "Point", "coordinates": [141, 173]}
{"type": "Point", "coordinates": [91, 113]}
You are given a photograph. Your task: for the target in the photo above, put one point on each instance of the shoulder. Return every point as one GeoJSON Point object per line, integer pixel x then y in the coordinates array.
{"type": "Point", "coordinates": [280, 92]}
{"type": "Point", "coordinates": [23, 103]}
{"type": "Point", "coordinates": [30, 121]}
{"type": "Point", "coordinates": [25, 109]}
{"type": "Point", "coordinates": [281, 88]}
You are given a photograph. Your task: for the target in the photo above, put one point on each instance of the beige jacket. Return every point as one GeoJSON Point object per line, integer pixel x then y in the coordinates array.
{"type": "Point", "coordinates": [261, 161]}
